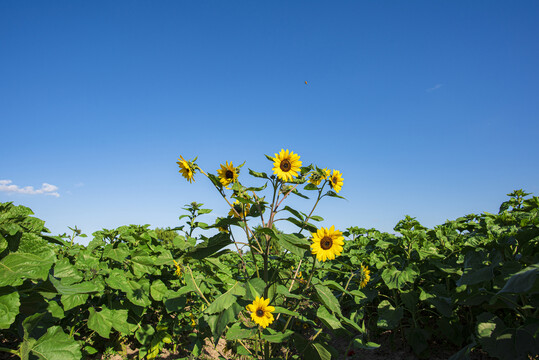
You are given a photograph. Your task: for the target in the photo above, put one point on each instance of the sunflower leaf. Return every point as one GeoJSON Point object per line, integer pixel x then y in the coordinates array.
{"type": "Point", "coordinates": [295, 212]}
{"type": "Point", "coordinates": [333, 194]}
{"type": "Point", "coordinates": [296, 192]}
{"type": "Point", "coordinates": [310, 186]}
{"type": "Point", "coordinates": [257, 174]}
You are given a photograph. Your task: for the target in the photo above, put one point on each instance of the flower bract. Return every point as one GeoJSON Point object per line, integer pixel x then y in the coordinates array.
{"type": "Point", "coordinates": [187, 168]}
{"type": "Point", "coordinates": [316, 178]}
{"type": "Point", "coordinates": [364, 276]}
{"type": "Point", "coordinates": [241, 209]}
{"type": "Point", "coordinates": [261, 311]}
{"type": "Point", "coordinates": [228, 174]}
{"type": "Point", "coordinates": [336, 180]}
{"type": "Point", "coordinates": [327, 243]}
{"type": "Point", "coordinates": [286, 165]}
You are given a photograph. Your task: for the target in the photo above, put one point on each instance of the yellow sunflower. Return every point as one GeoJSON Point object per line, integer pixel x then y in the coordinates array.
{"type": "Point", "coordinates": [327, 243]}
{"type": "Point", "coordinates": [365, 276]}
{"type": "Point", "coordinates": [286, 165]}
{"type": "Point", "coordinates": [242, 209]}
{"type": "Point", "coordinates": [261, 311]}
{"type": "Point", "coordinates": [187, 168]}
{"type": "Point", "coordinates": [336, 180]}
{"type": "Point", "coordinates": [178, 271]}
{"type": "Point", "coordinates": [227, 174]}
{"type": "Point", "coordinates": [316, 178]}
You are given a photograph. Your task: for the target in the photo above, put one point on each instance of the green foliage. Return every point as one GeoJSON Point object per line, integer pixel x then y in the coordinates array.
{"type": "Point", "coordinates": [471, 283]}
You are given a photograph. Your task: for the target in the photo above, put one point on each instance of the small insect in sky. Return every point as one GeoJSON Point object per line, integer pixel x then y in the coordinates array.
{"type": "Point", "coordinates": [305, 82]}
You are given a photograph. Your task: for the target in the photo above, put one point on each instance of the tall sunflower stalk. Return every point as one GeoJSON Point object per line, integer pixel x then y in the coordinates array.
{"type": "Point", "coordinates": [288, 174]}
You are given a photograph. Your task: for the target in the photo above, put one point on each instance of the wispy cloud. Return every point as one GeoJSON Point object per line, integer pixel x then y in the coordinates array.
{"type": "Point", "coordinates": [46, 189]}
{"type": "Point", "coordinates": [435, 87]}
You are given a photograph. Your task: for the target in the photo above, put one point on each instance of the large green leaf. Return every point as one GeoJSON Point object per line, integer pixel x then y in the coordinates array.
{"type": "Point", "coordinates": [9, 308]}
{"type": "Point", "coordinates": [388, 316]}
{"type": "Point", "coordinates": [328, 319]}
{"type": "Point", "coordinates": [318, 351]}
{"type": "Point", "coordinates": [218, 322]}
{"type": "Point", "coordinates": [73, 300]}
{"type": "Point", "coordinates": [211, 246]}
{"type": "Point", "coordinates": [254, 288]}
{"type": "Point", "coordinates": [117, 279]}
{"type": "Point", "coordinates": [85, 287]}
{"type": "Point", "coordinates": [158, 290]}
{"type": "Point", "coordinates": [103, 321]}
{"type": "Point", "coordinates": [240, 331]}
{"type": "Point", "coordinates": [118, 251]}
{"type": "Point", "coordinates": [16, 267]}
{"type": "Point", "coordinates": [273, 336]}
{"type": "Point", "coordinates": [523, 281]}
{"type": "Point", "coordinates": [327, 298]}
{"type": "Point", "coordinates": [56, 345]}
{"type": "Point", "coordinates": [396, 279]}
{"type": "Point", "coordinates": [221, 303]}
{"type": "Point", "coordinates": [293, 243]}
{"type": "Point", "coordinates": [139, 293]}
{"type": "Point", "coordinates": [67, 272]}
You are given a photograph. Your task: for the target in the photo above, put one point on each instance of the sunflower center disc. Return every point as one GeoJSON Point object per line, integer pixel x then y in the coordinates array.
{"type": "Point", "coordinates": [285, 165]}
{"type": "Point", "coordinates": [229, 174]}
{"type": "Point", "coordinates": [326, 243]}
{"type": "Point", "coordinates": [259, 313]}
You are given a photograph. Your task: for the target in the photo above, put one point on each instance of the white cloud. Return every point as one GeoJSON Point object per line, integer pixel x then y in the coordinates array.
{"type": "Point", "coordinates": [435, 87]}
{"type": "Point", "coordinates": [46, 189]}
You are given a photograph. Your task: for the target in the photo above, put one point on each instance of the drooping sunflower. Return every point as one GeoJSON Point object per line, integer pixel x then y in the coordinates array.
{"type": "Point", "coordinates": [327, 243]}
{"type": "Point", "coordinates": [187, 168]}
{"type": "Point", "coordinates": [316, 178]}
{"type": "Point", "coordinates": [286, 165]}
{"type": "Point", "coordinates": [227, 174]}
{"type": "Point", "coordinates": [178, 271]}
{"type": "Point", "coordinates": [336, 180]}
{"type": "Point", "coordinates": [241, 209]}
{"type": "Point", "coordinates": [261, 311]}
{"type": "Point", "coordinates": [364, 277]}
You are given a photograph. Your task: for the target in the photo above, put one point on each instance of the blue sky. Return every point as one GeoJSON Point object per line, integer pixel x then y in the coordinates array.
{"type": "Point", "coordinates": [428, 108]}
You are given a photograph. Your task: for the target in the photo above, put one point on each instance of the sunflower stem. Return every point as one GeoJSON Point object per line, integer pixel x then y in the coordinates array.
{"type": "Point", "coordinates": [307, 286]}
{"type": "Point", "coordinates": [314, 207]}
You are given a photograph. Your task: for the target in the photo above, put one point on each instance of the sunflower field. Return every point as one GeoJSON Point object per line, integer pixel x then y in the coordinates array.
{"type": "Point", "coordinates": [245, 287]}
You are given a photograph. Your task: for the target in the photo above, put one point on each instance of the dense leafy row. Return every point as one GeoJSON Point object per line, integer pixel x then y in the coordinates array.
{"type": "Point", "coordinates": [471, 282]}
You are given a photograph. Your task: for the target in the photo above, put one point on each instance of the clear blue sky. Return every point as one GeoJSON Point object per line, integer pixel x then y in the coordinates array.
{"type": "Point", "coordinates": [428, 108]}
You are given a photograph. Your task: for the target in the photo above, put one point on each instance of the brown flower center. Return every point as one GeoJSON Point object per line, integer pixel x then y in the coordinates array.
{"type": "Point", "coordinates": [229, 174]}
{"type": "Point", "coordinates": [334, 180]}
{"type": "Point", "coordinates": [259, 313]}
{"type": "Point", "coordinates": [285, 165]}
{"type": "Point", "coordinates": [326, 243]}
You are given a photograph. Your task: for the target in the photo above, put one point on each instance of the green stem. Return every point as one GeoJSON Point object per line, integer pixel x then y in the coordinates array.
{"type": "Point", "coordinates": [298, 300]}
{"type": "Point", "coordinates": [15, 352]}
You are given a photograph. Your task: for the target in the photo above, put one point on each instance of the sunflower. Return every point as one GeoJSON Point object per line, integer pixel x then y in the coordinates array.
{"type": "Point", "coordinates": [242, 209]}
{"type": "Point", "coordinates": [187, 168]}
{"type": "Point", "coordinates": [316, 178]}
{"type": "Point", "coordinates": [178, 271]}
{"type": "Point", "coordinates": [227, 174]}
{"type": "Point", "coordinates": [365, 276]}
{"type": "Point", "coordinates": [261, 311]}
{"type": "Point", "coordinates": [327, 243]}
{"type": "Point", "coordinates": [286, 165]}
{"type": "Point", "coordinates": [336, 180]}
